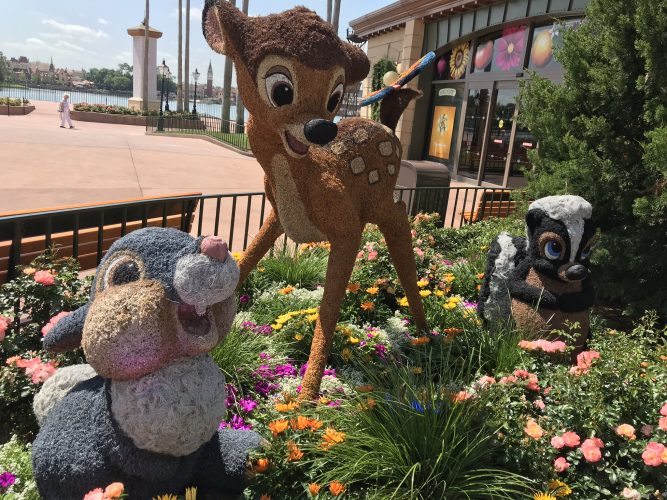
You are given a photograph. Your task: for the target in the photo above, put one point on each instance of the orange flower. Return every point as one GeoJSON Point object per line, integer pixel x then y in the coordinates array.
{"type": "Point", "coordinates": [285, 407]}
{"type": "Point", "coordinates": [314, 488]}
{"type": "Point", "coordinates": [265, 497]}
{"type": "Point", "coordinates": [262, 465]}
{"type": "Point", "coordinates": [365, 388]}
{"type": "Point", "coordinates": [278, 426]}
{"type": "Point", "coordinates": [626, 431]}
{"type": "Point", "coordinates": [420, 340]}
{"type": "Point", "coordinates": [286, 291]}
{"type": "Point", "coordinates": [452, 331]}
{"type": "Point", "coordinates": [372, 290]}
{"type": "Point", "coordinates": [533, 429]}
{"type": "Point", "coordinates": [314, 424]}
{"type": "Point", "coordinates": [336, 488]}
{"type": "Point", "coordinates": [367, 306]}
{"type": "Point", "coordinates": [294, 452]}
{"type": "Point", "coordinates": [353, 287]}
{"type": "Point", "coordinates": [480, 276]}
{"type": "Point", "coordinates": [300, 423]}
{"type": "Point", "coordinates": [331, 437]}
{"type": "Point", "coordinates": [114, 490]}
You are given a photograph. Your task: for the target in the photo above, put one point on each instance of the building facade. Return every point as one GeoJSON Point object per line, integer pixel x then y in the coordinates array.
{"type": "Point", "coordinates": [467, 118]}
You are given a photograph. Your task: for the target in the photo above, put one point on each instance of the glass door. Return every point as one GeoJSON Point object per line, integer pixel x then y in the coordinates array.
{"type": "Point", "coordinates": [474, 129]}
{"type": "Point", "coordinates": [500, 135]}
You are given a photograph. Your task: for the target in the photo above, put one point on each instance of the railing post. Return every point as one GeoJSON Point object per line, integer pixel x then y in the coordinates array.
{"type": "Point", "coordinates": [15, 255]}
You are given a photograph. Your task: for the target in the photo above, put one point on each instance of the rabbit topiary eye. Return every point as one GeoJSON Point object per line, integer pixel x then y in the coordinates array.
{"type": "Point", "coordinates": [122, 269]}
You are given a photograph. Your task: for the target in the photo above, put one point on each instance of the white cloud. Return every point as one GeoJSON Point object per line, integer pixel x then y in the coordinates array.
{"type": "Point", "coordinates": [101, 20]}
{"type": "Point", "coordinates": [195, 14]}
{"type": "Point", "coordinates": [75, 29]}
{"type": "Point", "coordinates": [35, 41]}
{"type": "Point", "coordinates": [71, 46]}
{"type": "Point", "coordinates": [125, 56]}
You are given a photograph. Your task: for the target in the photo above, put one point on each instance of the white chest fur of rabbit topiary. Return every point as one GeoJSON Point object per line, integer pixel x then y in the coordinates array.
{"type": "Point", "coordinates": [174, 410]}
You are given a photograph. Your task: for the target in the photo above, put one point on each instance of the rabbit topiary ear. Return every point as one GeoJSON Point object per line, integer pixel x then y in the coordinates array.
{"type": "Point", "coordinates": [66, 334]}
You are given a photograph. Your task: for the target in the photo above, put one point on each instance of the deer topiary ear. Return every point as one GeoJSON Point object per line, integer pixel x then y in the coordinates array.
{"type": "Point", "coordinates": [222, 25]}
{"type": "Point", "coordinates": [358, 67]}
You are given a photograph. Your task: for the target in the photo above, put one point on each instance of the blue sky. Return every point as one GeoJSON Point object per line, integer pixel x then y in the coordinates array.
{"type": "Point", "coordinates": [84, 33]}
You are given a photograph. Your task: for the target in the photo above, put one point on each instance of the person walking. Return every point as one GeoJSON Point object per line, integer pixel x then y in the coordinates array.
{"type": "Point", "coordinates": [63, 107]}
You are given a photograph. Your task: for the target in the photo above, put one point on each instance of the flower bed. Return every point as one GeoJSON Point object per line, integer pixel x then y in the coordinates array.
{"type": "Point", "coordinates": [460, 411]}
{"type": "Point", "coordinates": [9, 106]}
{"type": "Point", "coordinates": [121, 115]}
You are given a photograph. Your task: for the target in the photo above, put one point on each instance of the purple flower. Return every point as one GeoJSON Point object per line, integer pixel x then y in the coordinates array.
{"type": "Point", "coordinates": [264, 329]}
{"type": "Point", "coordinates": [248, 325]}
{"type": "Point", "coordinates": [406, 321]}
{"type": "Point", "coordinates": [244, 299]}
{"type": "Point", "coordinates": [447, 262]}
{"type": "Point", "coordinates": [303, 369]}
{"type": "Point", "coordinates": [7, 479]}
{"type": "Point", "coordinates": [334, 404]}
{"type": "Point", "coordinates": [381, 351]}
{"type": "Point", "coordinates": [264, 371]}
{"type": "Point", "coordinates": [330, 371]}
{"type": "Point", "coordinates": [264, 356]}
{"type": "Point", "coordinates": [263, 388]}
{"type": "Point", "coordinates": [471, 305]}
{"type": "Point", "coordinates": [362, 343]}
{"type": "Point", "coordinates": [435, 333]}
{"type": "Point", "coordinates": [247, 405]}
{"type": "Point", "coordinates": [231, 395]}
{"type": "Point", "coordinates": [235, 423]}
{"type": "Point", "coordinates": [286, 370]}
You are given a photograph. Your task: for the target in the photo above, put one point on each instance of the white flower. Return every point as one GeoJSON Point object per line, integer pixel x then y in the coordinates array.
{"type": "Point", "coordinates": [631, 493]}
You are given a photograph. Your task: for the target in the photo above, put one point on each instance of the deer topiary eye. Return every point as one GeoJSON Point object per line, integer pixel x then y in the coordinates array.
{"type": "Point", "coordinates": [280, 89]}
{"type": "Point", "coordinates": [334, 98]}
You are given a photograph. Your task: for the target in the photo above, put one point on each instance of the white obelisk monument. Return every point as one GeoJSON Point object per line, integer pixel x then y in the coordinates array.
{"type": "Point", "coordinates": [137, 34]}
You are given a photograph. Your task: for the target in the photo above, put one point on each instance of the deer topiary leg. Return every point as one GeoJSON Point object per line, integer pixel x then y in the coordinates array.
{"type": "Point", "coordinates": [394, 225]}
{"type": "Point", "coordinates": [339, 268]}
{"type": "Point", "coordinates": [260, 245]}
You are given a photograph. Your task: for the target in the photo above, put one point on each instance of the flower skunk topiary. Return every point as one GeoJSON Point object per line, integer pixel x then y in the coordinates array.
{"type": "Point", "coordinates": [146, 410]}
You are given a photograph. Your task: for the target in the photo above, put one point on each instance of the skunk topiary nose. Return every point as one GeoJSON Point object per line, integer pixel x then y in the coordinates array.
{"type": "Point", "coordinates": [215, 247]}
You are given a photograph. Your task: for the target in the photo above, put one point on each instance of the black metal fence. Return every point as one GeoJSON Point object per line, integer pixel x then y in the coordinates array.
{"type": "Point", "coordinates": [87, 232]}
{"type": "Point", "coordinates": [227, 131]}
{"type": "Point", "coordinates": [54, 93]}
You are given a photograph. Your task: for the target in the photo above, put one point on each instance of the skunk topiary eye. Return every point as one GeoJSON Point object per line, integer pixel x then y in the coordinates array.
{"type": "Point", "coordinates": [121, 270]}
{"type": "Point", "coordinates": [553, 250]}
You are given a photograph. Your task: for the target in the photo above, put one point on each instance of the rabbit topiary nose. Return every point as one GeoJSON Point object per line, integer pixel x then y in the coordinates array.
{"type": "Point", "coordinates": [215, 247]}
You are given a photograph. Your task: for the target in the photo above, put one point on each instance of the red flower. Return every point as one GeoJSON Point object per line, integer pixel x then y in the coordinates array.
{"type": "Point", "coordinates": [44, 278]}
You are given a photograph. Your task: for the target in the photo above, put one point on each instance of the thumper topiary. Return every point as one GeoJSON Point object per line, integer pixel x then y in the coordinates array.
{"type": "Point", "coordinates": [542, 280]}
{"type": "Point", "coordinates": [146, 409]}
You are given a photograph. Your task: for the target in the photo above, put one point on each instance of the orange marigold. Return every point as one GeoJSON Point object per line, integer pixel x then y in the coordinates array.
{"type": "Point", "coordinates": [262, 465]}
{"type": "Point", "coordinates": [331, 437]}
{"type": "Point", "coordinates": [420, 340]}
{"type": "Point", "coordinates": [265, 497]}
{"type": "Point", "coordinates": [336, 488]}
{"type": "Point", "coordinates": [314, 488]}
{"type": "Point", "coordinates": [278, 426]}
{"type": "Point", "coordinates": [286, 291]}
{"type": "Point", "coordinates": [314, 424]}
{"type": "Point", "coordinates": [294, 452]}
{"type": "Point", "coordinates": [367, 306]}
{"type": "Point", "coordinates": [300, 423]}
{"type": "Point", "coordinates": [353, 287]}
{"type": "Point", "coordinates": [285, 407]}
{"type": "Point", "coordinates": [365, 388]}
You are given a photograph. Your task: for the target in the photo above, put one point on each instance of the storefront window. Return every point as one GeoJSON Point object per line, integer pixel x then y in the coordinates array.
{"type": "Point", "coordinates": [473, 132]}
{"type": "Point", "coordinates": [546, 40]}
{"type": "Point", "coordinates": [523, 142]}
{"type": "Point", "coordinates": [501, 52]}
{"type": "Point", "coordinates": [448, 102]}
{"type": "Point", "coordinates": [452, 65]}
{"type": "Point", "coordinates": [500, 132]}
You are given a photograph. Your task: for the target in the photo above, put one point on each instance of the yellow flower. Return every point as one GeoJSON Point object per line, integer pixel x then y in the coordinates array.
{"type": "Point", "coordinates": [312, 317]}
{"type": "Point", "coordinates": [260, 269]}
{"type": "Point", "coordinates": [277, 326]}
{"type": "Point", "coordinates": [439, 293]}
{"type": "Point", "coordinates": [286, 291]}
{"type": "Point", "coordinates": [403, 302]}
{"type": "Point", "coordinates": [484, 248]}
{"type": "Point", "coordinates": [311, 310]}
{"type": "Point", "coordinates": [191, 493]}
{"type": "Point", "coordinates": [324, 400]}
{"type": "Point", "coordinates": [237, 255]}
{"type": "Point", "coordinates": [455, 299]}
{"type": "Point", "coordinates": [346, 354]}
{"type": "Point", "coordinates": [424, 293]}
{"type": "Point", "coordinates": [353, 340]}
{"type": "Point", "coordinates": [417, 370]}
{"type": "Point", "coordinates": [166, 497]}
{"type": "Point", "coordinates": [449, 278]}
{"type": "Point", "coordinates": [449, 306]}
{"type": "Point", "coordinates": [559, 488]}
{"type": "Point", "coordinates": [29, 271]}
{"type": "Point", "coordinates": [422, 283]}
{"type": "Point", "coordinates": [543, 496]}
{"type": "Point", "coordinates": [367, 306]}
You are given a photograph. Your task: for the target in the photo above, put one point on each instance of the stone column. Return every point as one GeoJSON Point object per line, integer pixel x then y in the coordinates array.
{"type": "Point", "coordinates": [413, 42]}
{"type": "Point", "coordinates": [137, 34]}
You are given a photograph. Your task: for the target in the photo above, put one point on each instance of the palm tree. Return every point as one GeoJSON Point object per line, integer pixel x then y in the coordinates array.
{"type": "Point", "coordinates": [186, 95]}
{"type": "Point", "coordinates": [179, 88]}
{"type": "Point", "coordinates": [227, 89]}
{"type": "Point", "coordinates": [144, 91]}
{"type": "Point", "coordinates": [328, 11]}
{"type": "Point", "coordinates": [240, 108]}
{"type": "Point", "coordinates": [336, 14]}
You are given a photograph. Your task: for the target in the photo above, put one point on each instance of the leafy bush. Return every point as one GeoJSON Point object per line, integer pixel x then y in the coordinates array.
{"type": "Point", "coordinates": [8, 101]}
{"type": "Point", "coordinates": [15, 459]}
{"type": "Point", "coordinates": [379, 70]}
{"type": "Point", "coordinates": [121, 110]}
{"type": "Point", "coordinates": [602, 134]}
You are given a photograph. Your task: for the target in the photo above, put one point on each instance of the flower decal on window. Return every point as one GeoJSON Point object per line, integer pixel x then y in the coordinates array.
{"type": "Point", "coordinates": [459, 60]}
{"type": "Point", "coordinates": [510, 48]}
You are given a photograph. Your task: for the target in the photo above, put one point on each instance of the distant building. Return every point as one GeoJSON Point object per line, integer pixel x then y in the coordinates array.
{"type": "Point", "coordinates": [209, 81]}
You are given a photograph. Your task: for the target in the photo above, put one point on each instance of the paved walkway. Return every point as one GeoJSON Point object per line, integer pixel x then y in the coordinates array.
{"type": "Point", "coordinates": [43, 165]}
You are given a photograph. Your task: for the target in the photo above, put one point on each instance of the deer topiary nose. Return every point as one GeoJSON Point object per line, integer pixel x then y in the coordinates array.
{"type": "Point", "coordinates": [215, 247]}
{"type": "Point", "coordinates": [320, 131]}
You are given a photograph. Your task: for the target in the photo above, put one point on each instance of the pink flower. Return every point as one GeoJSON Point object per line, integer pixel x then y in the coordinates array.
{"type": "Point", "coordinates": [663, 410]}
{"type": "Point", "coordinates": [557, 442]}
{"type": "Point", "coordinates": [510, 48]}
{"type": "Point", "coordinates": [96, 494]}
{"type": "Point", "coordinates": [543, 345]}
{"type": "Point", "coordinates": [571, 439]}
{"type": "Point", "coordinates": [662, 423]}
{"type": "Point", "coordinates": [626, 431]}
{"type": "Point", "coordinates": [52, 322]}
{"type": "Point", "coordinates": [4, 325]}
{"type": "Point", "coordinates": [360, 255]}
{"type": "Point", "coordinates": [44, 278]}
{"type": "Point", "coordinates": [372, 255]}
{"type": "Point", "coordinates": [483, 382]}
{"type": "Point", "coordinates": [561, 464]}
{"type": "Point", "coordinates": [532, 384]}
{"type": "Point", "coordinates": [647, 430]}
{"type": "Point", "coordinates": [510, 379]}
{"type": "Point", "coordinates": [631, 494]}
{"type": "Point", "coordinates": [521, 374]}
{"type": "Point", "coordinates": [653, 454]}
{"type": "Point", "coordinates": [37, 370]}
{"type": "Point", "coordinates": [461, 396]}
{"type": "Point", "coordinates": [591, 449]}
{"type": "Point", "coordinates": [585, 359]}
{"type": "Point", "coordinates": [538, 403]}
{"type": "Point", "coordinates": [420, 253]}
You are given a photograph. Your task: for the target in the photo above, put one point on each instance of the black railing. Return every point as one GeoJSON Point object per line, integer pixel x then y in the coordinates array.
{"type": "Point", "coordinates": [87, 232]}
{"type": "Point", "coordinates": [227, 131]}
{"type": "Point", "coordinates": [54, 93]}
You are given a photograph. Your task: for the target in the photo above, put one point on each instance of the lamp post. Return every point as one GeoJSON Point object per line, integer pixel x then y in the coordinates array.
{"type": "Point", "coordinates": [163, 69]}
{"type": "Point", "coordinates": [166, 101]}
{"type": "Point", "coordinates": [195, 77]}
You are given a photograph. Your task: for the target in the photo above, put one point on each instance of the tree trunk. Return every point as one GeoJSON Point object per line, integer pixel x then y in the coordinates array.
{"type": "Point", "coordinates": [240, 108]}
{"type": "Point", "coordinates": [227, 89]}
{"type": "Point", "coordinates": [186, 91]}
{"type": "Point", "coordinates": [336, 14]}
{"type": "Point", "coordinates": [179, 88]}
{"type": "Point", "coordinates": [144, 90]}
{"type": "Point", "coordinates": [329, 11]}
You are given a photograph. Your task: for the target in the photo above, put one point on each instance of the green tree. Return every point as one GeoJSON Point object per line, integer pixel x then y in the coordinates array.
{"type": "Point", "coordinates": [3, 68]}
{"type": "Point", "coordinates": [379, 70]}
{"type": "Point", "coordinates": [602, 134]}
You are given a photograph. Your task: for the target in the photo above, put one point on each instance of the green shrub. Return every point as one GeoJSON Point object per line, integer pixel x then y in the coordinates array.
{"type": "Point", "coordinates": [15, 458]}
{"type": "Point", "coordinates": [379, 70]}
{"type": "Point", "coordinates": [602, 135]}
